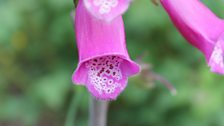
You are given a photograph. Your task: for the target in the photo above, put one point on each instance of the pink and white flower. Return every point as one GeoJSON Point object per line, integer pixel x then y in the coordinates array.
{"type": "Point", "coordinates": [104, 64]}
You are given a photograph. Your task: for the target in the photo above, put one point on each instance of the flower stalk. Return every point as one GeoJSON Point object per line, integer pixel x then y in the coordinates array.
{"type": "Point", "coordinates": [98, 112]}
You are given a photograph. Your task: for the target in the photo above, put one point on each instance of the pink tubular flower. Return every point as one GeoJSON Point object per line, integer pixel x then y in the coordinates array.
{"type": "Point", "coordinates": [200, 27]}
{"type": "Point", "coordinates": [104, 64]}
{"type": "Point", "coordinates": [106, 9]}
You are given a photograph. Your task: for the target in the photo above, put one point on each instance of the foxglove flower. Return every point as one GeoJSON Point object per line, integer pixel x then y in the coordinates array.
{"type": "Point", "coordinates": [104, 64]}
{"type": "Point", "coordinates": [106, 9]}
{"type": "Point", "coordinates": [200, 27]}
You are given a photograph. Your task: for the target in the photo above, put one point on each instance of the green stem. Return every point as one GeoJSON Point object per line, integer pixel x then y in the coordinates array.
{"type": "Point", "coordinates": [71, 114]}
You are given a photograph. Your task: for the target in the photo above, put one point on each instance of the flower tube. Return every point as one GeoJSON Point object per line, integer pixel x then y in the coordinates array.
{"type": "Point", "coordinates": [201, 27]}
{"type": "Point", "coordinates": [104, 64]}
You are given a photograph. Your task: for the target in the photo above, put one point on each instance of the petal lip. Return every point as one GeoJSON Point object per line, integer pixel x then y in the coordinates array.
{"type": "Point", "coordinates": [129, 64]}
{"type": "Point", "coordinates": [135, 67]}
{"type": "Point", "coordinates": [109, 97]}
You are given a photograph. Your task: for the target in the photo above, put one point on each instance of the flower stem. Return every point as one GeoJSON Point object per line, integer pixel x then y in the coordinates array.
{"type": "Point", "coordinates": [98, 112]}
{"type": "Point", "coordinates": [73, 107]}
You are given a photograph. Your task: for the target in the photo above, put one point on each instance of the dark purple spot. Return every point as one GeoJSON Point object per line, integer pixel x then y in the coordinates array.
{"type": "Point", "coordinates": [111, 66]}
{"type": "Point", "coordinates": [108, 71]}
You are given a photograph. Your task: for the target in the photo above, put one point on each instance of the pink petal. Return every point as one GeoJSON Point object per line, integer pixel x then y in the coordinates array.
{"type": "Point", "coordinates": [106, 9]}
{"type": "Point", "coordinates": [199, 25]}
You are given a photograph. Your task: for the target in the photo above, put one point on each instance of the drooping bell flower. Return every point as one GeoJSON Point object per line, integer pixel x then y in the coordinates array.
{"type": "Point", "coordinates": [104, 64]}
{"type": "Point", "coordinates": [106, 9]}
{"type": "Point", "coordinates": [201, 27]}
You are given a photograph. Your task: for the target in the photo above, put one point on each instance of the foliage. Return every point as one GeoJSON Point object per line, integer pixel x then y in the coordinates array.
{"type": "Point", "coordinates": [38, 55]}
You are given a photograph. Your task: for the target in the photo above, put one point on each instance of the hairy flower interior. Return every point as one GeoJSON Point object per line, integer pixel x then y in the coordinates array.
{"type": "Point", "coordinates": [216, 61]}
{"type": "Point", "coordinates": [217, 56]}
{"type": "Point", "coordinates": [105, 79]}
{"type": "Point", "coordinates": [105, 6]}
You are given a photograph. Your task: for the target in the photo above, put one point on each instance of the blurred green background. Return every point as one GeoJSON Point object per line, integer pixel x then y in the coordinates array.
{"type": "Point", "coordinates": [38, 55]}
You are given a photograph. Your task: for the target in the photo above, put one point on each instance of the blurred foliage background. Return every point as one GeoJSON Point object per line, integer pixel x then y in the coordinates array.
{"type": "Point", "coordinates": [38, 55]}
